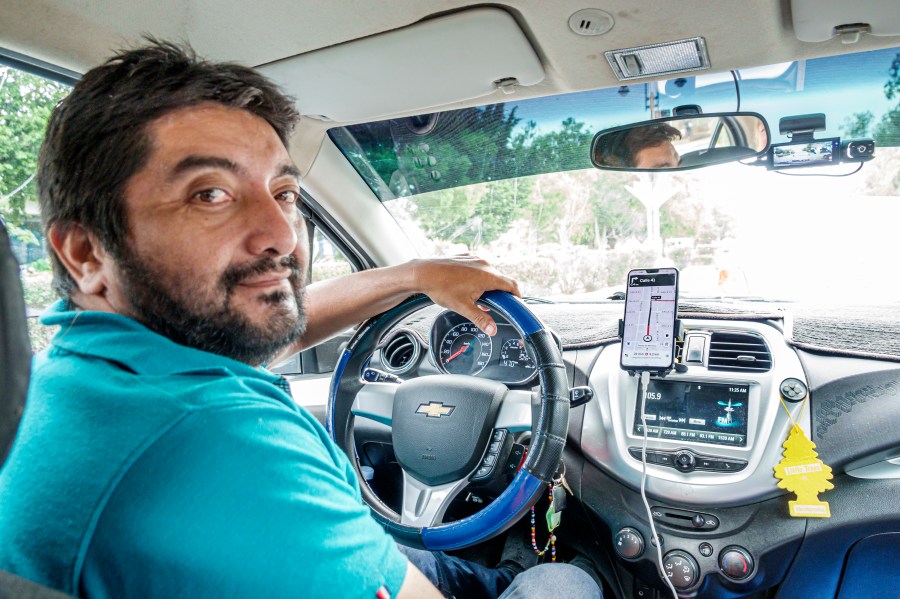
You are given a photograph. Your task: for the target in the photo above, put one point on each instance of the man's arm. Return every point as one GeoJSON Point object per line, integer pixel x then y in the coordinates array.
{"type": "Point", "coordinates": [455, 283]}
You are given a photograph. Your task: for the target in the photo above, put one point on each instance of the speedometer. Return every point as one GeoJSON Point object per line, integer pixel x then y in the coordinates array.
{"type": "Point", "coordinates": [465, 349]}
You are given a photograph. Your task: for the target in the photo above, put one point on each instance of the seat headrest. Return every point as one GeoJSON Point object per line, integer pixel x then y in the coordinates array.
{"type": "Point", "coordinates": [15, 350]}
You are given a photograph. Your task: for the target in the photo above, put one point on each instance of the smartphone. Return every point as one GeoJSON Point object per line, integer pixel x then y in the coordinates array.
{"type": "Point", "coordinates": [651, 304]}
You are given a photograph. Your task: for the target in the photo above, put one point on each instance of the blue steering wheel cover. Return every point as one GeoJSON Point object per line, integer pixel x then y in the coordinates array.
{"type": "Point", "coordinates": [515, 309]}
{"type": "Point", "coordinates": [332, 392]}
{"type": "Point", "coordinates": [487, 522]}
{"type": "Point", "coordinates": [519, 494]}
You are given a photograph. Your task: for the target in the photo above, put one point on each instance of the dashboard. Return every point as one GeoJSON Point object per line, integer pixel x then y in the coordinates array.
{"type": "Point", "coordinates": [714, 432]}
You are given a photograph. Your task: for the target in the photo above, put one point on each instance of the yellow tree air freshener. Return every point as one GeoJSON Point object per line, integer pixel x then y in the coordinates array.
{"type": "Point", "coordinates": [803, 473]}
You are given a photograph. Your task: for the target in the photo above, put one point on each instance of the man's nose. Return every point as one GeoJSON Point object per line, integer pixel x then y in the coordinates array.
{"type": "Point", "coordinates": [271, 225]}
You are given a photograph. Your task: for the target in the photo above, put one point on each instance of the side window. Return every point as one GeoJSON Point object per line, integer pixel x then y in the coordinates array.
{"type": "Point", "coordinates": [26, 101]}
{"type": "Point", "coordinates": [327, 262]}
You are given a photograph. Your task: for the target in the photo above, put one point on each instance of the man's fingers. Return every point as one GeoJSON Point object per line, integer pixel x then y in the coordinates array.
{"type": "Point", "coordinates": [508, 285]}
{"type": "Point", "coordinates": [484, 322]}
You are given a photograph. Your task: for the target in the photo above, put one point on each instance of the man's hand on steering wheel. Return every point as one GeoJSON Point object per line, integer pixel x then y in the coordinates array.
{"type": "Point", "coordinates": [458, 289]}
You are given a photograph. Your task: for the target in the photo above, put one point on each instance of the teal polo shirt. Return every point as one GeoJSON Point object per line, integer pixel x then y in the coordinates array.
{"type": "Point", "coordinates": [144, 468]}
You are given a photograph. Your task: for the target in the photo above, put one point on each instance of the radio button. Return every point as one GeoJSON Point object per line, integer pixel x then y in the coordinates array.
{"type": "Point", "coordinates": [653, 457]}
{"type": "Point", "coordinates": [737, 465]}
{"type": "Point", "coordinates": [664, 459]}
{"type": "Point", "coordinates": [730, 465]}
{"type": "Point", "coordinates": [684, 461]}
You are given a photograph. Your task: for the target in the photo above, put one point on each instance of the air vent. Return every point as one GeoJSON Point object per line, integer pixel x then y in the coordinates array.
{"type": "Point", "coordinates": [401, 353]}
{"type": "Point", "coordinates": [743, 352]}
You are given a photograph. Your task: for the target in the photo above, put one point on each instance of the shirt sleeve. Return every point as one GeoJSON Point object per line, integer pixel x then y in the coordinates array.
{"type": "Point", "coordinates": [244, 501]}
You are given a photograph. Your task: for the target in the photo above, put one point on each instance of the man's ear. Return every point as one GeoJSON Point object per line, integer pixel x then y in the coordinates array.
{"type": "Point", "coordinates": [83, 256]}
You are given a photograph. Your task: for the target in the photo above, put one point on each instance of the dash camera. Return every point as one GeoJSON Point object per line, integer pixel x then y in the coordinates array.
{"type": "Point", "coordinates": [857, 150]}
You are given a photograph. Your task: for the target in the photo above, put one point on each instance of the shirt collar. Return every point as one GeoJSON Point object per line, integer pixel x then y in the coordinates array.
{"type": "Point", "coordinates": [122, 339]}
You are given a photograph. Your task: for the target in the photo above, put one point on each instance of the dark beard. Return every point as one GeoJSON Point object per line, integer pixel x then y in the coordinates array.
{"type": "Point", "coordinates": [190, 317]}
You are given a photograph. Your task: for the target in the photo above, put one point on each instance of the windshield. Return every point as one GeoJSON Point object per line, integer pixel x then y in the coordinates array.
{"type": "Point", "coordinates": [513, 183]}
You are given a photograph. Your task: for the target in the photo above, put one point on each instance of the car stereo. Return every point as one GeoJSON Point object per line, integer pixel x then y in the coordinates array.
{"type": "Point", "coordinates": [696, 412]}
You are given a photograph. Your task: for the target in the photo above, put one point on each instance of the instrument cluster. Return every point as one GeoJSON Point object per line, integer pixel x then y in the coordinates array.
{"type": "Point", "coordinates": [460, 347]}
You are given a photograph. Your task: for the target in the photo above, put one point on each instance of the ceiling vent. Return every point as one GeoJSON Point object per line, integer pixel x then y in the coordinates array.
{"type": "Point", "coordinates": [742, 352]}
{"type": "Point", "coordinates": [401, 353]}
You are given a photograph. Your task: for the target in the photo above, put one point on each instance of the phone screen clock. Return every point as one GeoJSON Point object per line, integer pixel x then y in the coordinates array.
{"type": "Point", "coordinates": [651, 306]}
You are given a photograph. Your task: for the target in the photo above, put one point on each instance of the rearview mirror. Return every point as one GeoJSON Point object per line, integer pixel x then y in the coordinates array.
{"type": "Point", "coordinates": [682, 142]}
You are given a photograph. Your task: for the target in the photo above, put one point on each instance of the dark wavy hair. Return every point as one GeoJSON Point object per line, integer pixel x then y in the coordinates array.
{"type": "Point", "coordinates": [97, 137]}
{"type": "Point", "coordinates": [620, 148]}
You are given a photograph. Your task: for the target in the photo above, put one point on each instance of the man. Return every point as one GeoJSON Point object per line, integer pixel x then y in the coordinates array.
{"type": "Point", "coordinates": [648, 147]}
{"type": "Point", "coordinates": [156, 456]}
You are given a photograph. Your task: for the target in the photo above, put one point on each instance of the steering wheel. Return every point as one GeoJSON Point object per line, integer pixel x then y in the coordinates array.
{"type": "Point", "coordinates": [443, 425]}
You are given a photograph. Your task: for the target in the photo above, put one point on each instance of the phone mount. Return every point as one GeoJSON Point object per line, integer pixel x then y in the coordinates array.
{"type": "Point", "coordinates": [677, 367]}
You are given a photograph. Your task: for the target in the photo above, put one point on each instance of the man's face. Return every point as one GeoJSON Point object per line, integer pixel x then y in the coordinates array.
{"type": "Point", "coordinates": [659, 156]}
{"type": "Point", "coordinates": [216, 247]}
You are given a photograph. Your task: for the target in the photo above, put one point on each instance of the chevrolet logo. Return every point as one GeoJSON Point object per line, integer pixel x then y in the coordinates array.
{"type": "Point", "coordinates": [435, 409]}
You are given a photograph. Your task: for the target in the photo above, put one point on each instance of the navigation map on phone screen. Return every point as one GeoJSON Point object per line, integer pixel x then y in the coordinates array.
{"type": "Point", "coordinates": [651, 303]}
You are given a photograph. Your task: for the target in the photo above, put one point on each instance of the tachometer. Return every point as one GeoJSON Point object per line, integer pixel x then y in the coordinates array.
{"type": "Point", "coordinates": [465, 349]}
{"type": "Point", "coordinates": [514, 355]}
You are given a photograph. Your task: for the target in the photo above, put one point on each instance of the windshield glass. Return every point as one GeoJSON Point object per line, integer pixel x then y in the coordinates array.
{"type": "Point", "coordinates": [513, 183]}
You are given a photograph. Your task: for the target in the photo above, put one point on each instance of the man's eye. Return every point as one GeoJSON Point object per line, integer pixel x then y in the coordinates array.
{"type": "Point", "coordinates": [214, 195]}
{"type": "Point", "coordinates": [290, 196]}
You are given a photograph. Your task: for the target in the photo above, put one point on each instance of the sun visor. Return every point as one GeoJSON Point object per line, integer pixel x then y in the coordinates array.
{"type": "Point", "coordinates": [430, 64]}
{"type": "Point", "coordinates": [821, 20]}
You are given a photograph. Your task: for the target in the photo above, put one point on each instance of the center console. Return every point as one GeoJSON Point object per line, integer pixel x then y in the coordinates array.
{"type": "Point", "coordinates": [713, 437]}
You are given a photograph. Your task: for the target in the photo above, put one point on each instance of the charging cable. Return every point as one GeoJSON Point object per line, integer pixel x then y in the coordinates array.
{"type": "Point", "coordinates": [642, 392]}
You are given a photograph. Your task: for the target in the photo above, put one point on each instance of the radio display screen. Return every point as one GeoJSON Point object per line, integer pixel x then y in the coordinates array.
{"type": "Point", "coordinates": [695, 412]}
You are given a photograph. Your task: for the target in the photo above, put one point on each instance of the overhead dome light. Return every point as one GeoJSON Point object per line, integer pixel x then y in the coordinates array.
{"type": "Point", "coordinates": [669, 58]}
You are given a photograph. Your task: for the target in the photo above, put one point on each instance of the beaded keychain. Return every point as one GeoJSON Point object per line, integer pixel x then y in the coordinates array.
{"type": "Point", "coordinates": [551, 542]}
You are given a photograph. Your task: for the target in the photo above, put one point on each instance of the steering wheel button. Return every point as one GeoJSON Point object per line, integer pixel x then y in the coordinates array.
{"type": "Point", "coordinates": [498, 434]}
{"type": "Point", "coordinates": [489, 460]}
{"type": "Point", "coordinates": [495, 447]}
{"type": "Point", "coordinates": [482, 472]}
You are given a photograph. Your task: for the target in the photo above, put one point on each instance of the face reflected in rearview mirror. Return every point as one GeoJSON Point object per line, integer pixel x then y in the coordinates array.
{"type": "Point", "coordinates": [681, 143]}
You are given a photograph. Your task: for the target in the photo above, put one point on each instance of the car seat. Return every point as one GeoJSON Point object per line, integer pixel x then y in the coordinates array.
{"type": "Point", "coordinates": [15, 367]}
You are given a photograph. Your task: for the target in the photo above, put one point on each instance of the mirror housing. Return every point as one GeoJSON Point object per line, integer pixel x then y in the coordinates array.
{"type": "Point", "coordinates": [681, 142]}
